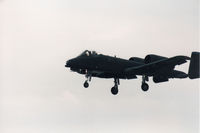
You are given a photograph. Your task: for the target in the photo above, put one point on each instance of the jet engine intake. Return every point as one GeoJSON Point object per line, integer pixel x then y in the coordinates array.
{"type": "Point", "coordinates": [137, 59]}
{"type": "Point", "coordinates": [151, 58]}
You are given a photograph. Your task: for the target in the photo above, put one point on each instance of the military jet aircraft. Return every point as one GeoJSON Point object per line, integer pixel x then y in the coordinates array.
{"type": "Point", "coordinates": [160, 68]}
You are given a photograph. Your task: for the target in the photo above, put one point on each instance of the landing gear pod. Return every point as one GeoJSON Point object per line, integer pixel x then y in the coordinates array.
{"type": "Point", "coordinates": [194, 66]}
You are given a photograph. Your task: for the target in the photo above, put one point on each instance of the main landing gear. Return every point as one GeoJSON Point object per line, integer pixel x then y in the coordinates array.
{"type": "Point", "coordinates": [86, 84]}
{"type": "Point", "coordinates": [114, 89]}
{"type": "Point", "coordinates": [145, 86]}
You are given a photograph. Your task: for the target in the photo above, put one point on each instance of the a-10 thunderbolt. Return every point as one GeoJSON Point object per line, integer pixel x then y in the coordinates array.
{"type": "Point", "coordinates": [160, 68]}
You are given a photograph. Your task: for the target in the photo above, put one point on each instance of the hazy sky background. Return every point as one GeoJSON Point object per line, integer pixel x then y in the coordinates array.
{"type": "Point", "coordinates": [39, 95]}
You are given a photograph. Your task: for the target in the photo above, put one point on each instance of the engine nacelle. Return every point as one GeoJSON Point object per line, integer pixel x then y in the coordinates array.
{"type": "Point", "coordinates": [158, 79]}
{"type": "Point", "coordinates": [137, 59]}
{"type": "Point", "coordinates": [151, 58]}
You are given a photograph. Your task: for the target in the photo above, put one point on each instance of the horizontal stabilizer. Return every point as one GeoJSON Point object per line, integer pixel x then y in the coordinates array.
{"type": "Point", "coordinates": [194, 66]}
{"type": "Point", "coordinates": [168, 63]}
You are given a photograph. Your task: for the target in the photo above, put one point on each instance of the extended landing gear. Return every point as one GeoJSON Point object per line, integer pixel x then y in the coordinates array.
{"type": "Point", "coordinates": [145, 86]}
{"type": "Point", "coordinates": [114, 89]}
{"type": "Point", "coordinates": [86, 84]}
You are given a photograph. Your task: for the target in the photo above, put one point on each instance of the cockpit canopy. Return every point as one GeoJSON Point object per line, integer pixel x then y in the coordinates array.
{"type": "Point", "coordinates": [88, 53]}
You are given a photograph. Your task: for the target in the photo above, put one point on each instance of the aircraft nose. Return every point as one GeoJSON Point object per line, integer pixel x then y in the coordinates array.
{"type": "Point", "coordinates": [68, 63]}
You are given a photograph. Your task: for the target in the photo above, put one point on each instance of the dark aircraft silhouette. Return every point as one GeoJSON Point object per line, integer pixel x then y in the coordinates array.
{"type": "Point", "coordinates": [160, 68]}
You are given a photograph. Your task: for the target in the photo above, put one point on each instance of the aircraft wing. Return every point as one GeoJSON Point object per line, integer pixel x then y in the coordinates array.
{"type": "Point", "coordinates": [164, 64]}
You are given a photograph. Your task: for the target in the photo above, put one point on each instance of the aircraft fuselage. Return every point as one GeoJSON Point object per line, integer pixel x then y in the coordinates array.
{"type": "Point", "coordinates": [110, 66]}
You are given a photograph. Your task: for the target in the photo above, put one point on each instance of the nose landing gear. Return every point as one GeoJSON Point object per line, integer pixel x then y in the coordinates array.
{"type": "Point", "coordinates": [86, 84]}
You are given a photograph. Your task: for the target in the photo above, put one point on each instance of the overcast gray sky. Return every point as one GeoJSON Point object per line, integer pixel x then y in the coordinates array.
{"type": "Point", "coordinates": [39, 95]}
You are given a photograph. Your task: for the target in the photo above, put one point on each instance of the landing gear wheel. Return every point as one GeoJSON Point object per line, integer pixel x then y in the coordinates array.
{"type": "Point", "coordinates": [114, 90]}
{"type": "Point", "coordinates": [86, 84]}
{"type": "Point", "coordinates": [145, 87]}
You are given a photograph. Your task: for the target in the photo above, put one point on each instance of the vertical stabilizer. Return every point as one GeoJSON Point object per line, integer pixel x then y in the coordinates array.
{"type": "Point", "coordinates": [194, 66]}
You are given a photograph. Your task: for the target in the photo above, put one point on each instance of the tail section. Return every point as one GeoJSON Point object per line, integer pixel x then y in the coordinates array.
{"type": "Point", "coordinates": [194, 66]}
